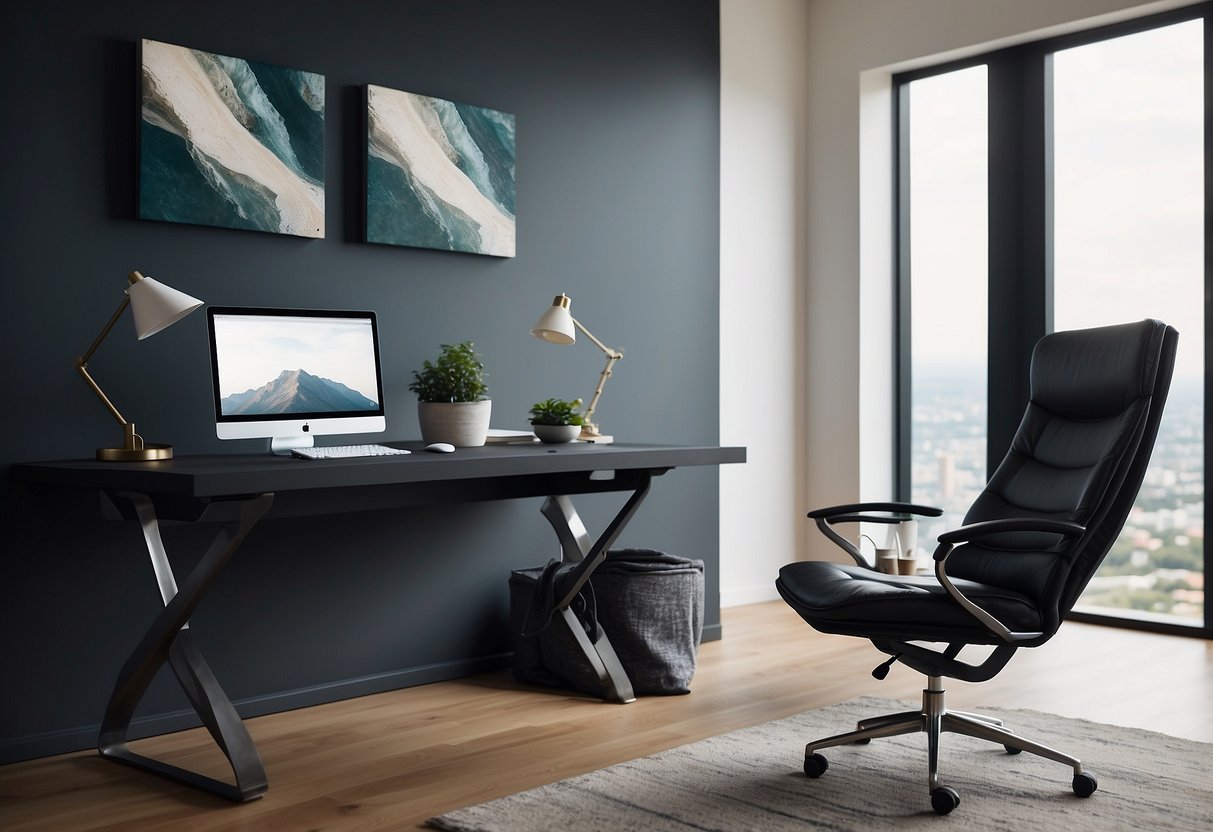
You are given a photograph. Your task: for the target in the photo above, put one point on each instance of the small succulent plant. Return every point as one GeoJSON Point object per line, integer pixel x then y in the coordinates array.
{"type": "Point", "coordinates": [557, 412]}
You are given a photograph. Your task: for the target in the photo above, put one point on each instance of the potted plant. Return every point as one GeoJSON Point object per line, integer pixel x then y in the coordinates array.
{"type": "Point", "coordinates": [451, 402]}
{"type": "Point", "coordinates": [556, 420]}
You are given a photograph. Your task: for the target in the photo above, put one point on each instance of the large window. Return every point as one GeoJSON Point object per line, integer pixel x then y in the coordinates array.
{"type": "Point", "coordinates": [1128, 242]}
{"type": "Point", "coordinates": [947, 194]}
{"type": "Point", "coordinates": [1051, 186]}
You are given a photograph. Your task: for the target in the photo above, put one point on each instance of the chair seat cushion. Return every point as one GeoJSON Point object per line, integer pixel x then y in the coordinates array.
{"type": "Point", "coordinates": [853, 600]}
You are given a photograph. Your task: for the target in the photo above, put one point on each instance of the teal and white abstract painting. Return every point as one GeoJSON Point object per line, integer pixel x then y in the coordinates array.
{"type": "Point", "coordinates": [230, 142]}
{"type": "Point", "coordinates": [439, 174]}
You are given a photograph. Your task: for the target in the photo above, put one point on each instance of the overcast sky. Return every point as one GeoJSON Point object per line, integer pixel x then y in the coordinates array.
{"type": "Point", "coordinates": [1128, 194]}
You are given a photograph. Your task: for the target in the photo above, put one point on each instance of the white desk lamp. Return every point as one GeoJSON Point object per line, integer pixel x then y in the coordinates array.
{"type": "Point", "coordinates": [154, 307]}
{"type": "Point", "coordinates": [558, 326]}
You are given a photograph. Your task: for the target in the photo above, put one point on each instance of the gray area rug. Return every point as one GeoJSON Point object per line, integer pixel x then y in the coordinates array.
{"type": "Point", "coordinates": [752, 780]}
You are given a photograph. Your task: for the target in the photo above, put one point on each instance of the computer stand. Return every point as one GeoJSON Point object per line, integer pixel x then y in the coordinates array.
{"type": "Point", "coordinates": [283, 445]}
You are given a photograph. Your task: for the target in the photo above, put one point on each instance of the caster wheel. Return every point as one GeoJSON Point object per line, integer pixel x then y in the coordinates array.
{"type": "Point", "coordinates": [944, 800]}
{"type": "Point", "coordinates": [1012, 749]}
{"type": "Point", "coordinates": [862, 742]}
{"type": "Point", "coordinates": [815, 765]}
{"type": "Point", "coordinates": [1085, 784]}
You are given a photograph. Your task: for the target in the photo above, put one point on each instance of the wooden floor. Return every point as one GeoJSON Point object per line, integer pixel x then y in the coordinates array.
{"type": "Point", "coordinates": [391, 760]}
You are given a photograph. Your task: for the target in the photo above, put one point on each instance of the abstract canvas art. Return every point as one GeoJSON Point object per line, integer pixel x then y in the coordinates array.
{"type": "Point", "coordinates": [230, 142]}
{"type": "Point", "coordinates": [439, 174]}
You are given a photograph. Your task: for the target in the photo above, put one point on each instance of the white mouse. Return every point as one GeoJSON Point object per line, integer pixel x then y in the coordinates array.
{"type": "Point", "coordinates": [440, 447]}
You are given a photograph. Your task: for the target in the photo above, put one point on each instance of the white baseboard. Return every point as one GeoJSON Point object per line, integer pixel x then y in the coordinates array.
{"type": "Point", "coordinates": [748, 595]}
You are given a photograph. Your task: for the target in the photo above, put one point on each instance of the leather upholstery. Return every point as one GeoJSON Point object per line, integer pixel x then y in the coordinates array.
{"type": "Point", "coordinates": [1079, 455]}
{"type": "Point", "coordinates": [852, 600]}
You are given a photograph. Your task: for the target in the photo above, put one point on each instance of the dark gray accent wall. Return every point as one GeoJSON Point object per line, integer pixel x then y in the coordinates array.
{"type": "Point", "coordinates": [617, 108]}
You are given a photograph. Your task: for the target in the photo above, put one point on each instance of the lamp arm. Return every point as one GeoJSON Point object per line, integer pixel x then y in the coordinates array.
{"type": "Point", "coordinates": [602, 378]}
{"type": "Point", "coordinates": [613, 355]}
{"type": "Point", "coordinates": [105, 330]}
{"type": "Point", "coordinates": [82, 361]}
{"type": "Point", "coordinates": [616, 354]}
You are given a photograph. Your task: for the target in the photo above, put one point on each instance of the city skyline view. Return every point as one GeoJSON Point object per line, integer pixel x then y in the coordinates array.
{"type": "Point", "coordinates": [1154, 569]}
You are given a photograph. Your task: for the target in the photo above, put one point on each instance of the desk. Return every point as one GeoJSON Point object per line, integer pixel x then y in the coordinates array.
{"type": "Point", "coordinates": [235, 491]}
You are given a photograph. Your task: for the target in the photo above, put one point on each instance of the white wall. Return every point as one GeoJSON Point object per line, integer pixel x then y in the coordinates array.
{"type": "Point", "coordinates": [762, 289]}
{"type": "Point", "coordinates": [806, 244]}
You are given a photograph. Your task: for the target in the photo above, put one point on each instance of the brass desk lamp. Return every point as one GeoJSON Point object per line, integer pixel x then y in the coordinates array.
{"type": "Point", "coordinates": [154, 307]}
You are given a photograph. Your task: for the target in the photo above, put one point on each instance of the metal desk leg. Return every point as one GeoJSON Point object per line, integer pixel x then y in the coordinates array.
{"type": "Point", "coordinates": [169, 640]}
{"type": "Point", "coordinates": [602, 658]}
{"type": "Point", "coordinates": [576, 548]}
{"type": "Point", "coordinates": [570, 531]}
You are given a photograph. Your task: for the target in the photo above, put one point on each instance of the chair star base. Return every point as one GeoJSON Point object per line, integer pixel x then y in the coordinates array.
{"type": "Point", "coordinates": [934, 719]}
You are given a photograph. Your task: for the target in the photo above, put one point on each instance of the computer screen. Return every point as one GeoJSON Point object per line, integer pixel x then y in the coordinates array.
{"type": "Point", "coordinates": [292, 374]}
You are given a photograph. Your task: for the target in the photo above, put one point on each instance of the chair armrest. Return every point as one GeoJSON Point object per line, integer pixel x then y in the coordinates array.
{"type": "Point", "coordinates": [858, 513]}
{"type": "Point", "coordinates": [985, 528]}
{"type": "Point", "coordinates": [838, 514]}
{"type": "Point", "coordinates": [948, 541]}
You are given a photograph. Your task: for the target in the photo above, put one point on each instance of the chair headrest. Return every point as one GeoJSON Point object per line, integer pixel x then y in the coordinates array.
{"type": "Point", "coordinates": [1096, 373]}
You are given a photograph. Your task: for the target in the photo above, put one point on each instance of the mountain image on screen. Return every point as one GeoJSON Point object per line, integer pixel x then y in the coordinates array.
{"type": "Point", "coordinates": [297, 391]}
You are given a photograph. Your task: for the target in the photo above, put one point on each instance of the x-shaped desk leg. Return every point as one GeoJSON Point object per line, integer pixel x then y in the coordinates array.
{"type": "Point", "coordinates": [168, 640]}
{"type": "Point", "coordinates": [576, 548]}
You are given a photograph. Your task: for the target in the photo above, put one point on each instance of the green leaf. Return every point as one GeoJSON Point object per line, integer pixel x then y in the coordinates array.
{"type": "Point", "coordinates": [457, 376]}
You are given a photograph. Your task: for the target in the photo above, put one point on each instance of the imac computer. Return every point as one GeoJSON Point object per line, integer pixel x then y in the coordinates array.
{"type": "Point", "coordinates": [292, 374]}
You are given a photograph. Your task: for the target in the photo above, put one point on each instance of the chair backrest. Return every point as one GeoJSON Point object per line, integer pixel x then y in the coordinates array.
{"type": "Point", "coordinates": [1080, 454]}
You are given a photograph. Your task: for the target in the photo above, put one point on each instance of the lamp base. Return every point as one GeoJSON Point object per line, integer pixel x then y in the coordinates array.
{"type": "Point", "coordinates": [148, 453]}
{"type": "Point", "coordinates": [134, 449]}
{"type": "Point", "coordinates": [596, 438]}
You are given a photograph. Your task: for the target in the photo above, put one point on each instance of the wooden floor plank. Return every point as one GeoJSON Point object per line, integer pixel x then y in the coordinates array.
{"type": "Point", "coordinates": [391, 760]}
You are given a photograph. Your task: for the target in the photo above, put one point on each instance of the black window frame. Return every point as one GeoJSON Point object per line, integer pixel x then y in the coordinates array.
{"type": "Point", "coordinates": [1020, 267]}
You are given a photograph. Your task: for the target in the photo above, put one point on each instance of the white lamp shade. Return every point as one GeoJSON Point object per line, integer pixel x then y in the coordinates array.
{"type": "Point", "coordinates": [555, 325]}
{"type": "Point", "coordinates": [156, 306]}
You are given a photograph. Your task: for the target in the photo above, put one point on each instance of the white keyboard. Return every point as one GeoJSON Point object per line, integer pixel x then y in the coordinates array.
{"type": "Point", "coordinates": [346, 452]}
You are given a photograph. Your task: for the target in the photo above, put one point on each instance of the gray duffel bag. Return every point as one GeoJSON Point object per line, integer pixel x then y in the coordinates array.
{"type": "Point", "coordinates": [649, 603]}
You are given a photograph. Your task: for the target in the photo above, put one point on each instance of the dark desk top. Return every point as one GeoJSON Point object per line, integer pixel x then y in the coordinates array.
{"type": "Point", "coordinates": [225, 475]}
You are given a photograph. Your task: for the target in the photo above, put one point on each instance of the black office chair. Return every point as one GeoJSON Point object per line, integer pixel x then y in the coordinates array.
{"type": "Point", "coordinates": [1029, 544]}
